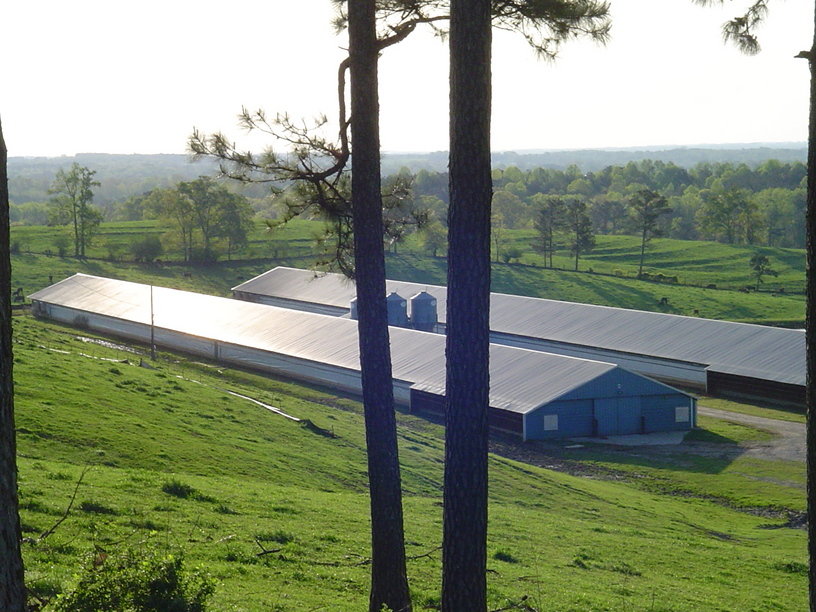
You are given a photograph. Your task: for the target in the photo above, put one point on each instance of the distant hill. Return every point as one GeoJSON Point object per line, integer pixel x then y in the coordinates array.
{"type": "Point", "coordinates": [122, 176]}
{"type": "Point", "coordinates": [590, 160]}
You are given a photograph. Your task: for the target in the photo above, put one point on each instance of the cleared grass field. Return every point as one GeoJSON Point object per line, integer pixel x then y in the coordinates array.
{"type": "Point", "coordinates": [604, 290]}
{"type": "Point", "coordinates": [177, 462]}
{"type": "Point", "coordinates": [614, 263]}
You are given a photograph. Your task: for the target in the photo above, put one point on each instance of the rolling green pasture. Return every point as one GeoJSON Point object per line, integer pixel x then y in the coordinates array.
{"type": "Point", "coordinates": [693, 262]}
{"type": "Point", "coordinates": [611, 282]}
{"type": "Point", "coordinates": [174, 461]}
{"type": "Point", "coordinates": [619, 292]}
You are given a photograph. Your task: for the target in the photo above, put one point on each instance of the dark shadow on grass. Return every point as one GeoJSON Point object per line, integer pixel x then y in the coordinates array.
{"type": "Point", "coordinates": [638, 298]}
{"type": "Point", "coordinates": [704, 435]}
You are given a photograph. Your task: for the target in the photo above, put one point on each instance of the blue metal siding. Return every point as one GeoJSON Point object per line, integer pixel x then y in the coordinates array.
{"type": "Point", "coordinates": [617, 416]}
{"type": "Point", "coordinates": [616, 403]}
{"type": "Point", "coordinates": [574, 420]}
{"type": "Point", "coordinates": [618, 383]}
{"type": "Point", "coordinates": [659, 412]}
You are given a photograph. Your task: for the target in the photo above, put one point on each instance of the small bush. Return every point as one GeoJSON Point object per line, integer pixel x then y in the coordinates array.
{"type": "Point", "coordinates": [62, 242]}
{"type": "Point", "coordinates": [503, 555]}
{"type": "Point", "coordinates": [59, 476]}
{"type": "Point", "coordinates": [185, 491]}
{"type": "Point", "coordinates": [512, 254]}
{"type": "Point", "coordinates": [114, 250]}
{"type": "Point", "coordinates": [179, 489]}
{"type": "Point", "coordinates": [792, 567]}
{"type": "Point", "coordinates": [141, 581]}
{"type": "Point", "coordinates": [146, 249]}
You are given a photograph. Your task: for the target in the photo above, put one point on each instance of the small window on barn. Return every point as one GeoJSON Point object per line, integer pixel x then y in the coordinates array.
{"type": "Point", "coordinates": [550, 422]}
{"type": "Point", "coordinates": [681, 414]}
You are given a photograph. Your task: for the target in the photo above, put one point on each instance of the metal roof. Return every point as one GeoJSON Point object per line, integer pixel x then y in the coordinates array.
{"type": "Point", "coordinates": [521, 380]}
{"type": "Point", "coordinates": [741, 349]}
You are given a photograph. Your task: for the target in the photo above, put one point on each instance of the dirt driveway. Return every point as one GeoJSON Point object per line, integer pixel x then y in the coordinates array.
{"type": "Point", "coordinates": [788, 445]}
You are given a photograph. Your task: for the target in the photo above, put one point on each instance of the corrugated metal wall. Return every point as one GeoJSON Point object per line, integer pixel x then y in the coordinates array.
{"type": "Point", "coordinates": [745, 386]}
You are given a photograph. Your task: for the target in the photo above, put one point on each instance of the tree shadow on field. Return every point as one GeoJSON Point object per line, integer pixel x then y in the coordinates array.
{"type": "Point", "coordinates": [624, 296]}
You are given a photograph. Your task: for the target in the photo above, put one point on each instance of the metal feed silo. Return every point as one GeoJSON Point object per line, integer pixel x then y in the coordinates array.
{"type": "Point", "coordinates": [397, 309]}
{"type": "Point", "coordinates": [423, 311]}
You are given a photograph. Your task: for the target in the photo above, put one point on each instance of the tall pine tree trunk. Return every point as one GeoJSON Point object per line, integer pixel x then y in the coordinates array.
{"type": "Point", "coordinates": [12, 588]}
{"type": "Point", "coordinates": [389, 584]}
{"type": "Point", "coordinates": [464, 545]}
{"type": "Point", "coordinates": [810, 326]}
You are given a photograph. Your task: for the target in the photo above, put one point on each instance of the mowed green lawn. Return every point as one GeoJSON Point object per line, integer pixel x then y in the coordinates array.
{"type": "Point", "coordinates": [697, 265]}
{"type": "Point", "coordinates": [257, 482]}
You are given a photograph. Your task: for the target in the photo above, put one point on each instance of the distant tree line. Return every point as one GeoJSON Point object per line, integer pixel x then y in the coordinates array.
{"type": "Point", "coordinates": [732, 203]}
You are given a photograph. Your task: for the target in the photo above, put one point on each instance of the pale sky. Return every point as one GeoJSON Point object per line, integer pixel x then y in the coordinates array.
{"type": "Point", "coordinates": [119, 76]}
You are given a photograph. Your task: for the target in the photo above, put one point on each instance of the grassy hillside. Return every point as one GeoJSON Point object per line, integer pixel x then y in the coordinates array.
{"type": "Point", "coordinates": [619, 292]}
{"type": "Point", "coordinates": [696, 265]}
{"type": "Point", "coordinates": [693, 262]}
{"type": "Point", "coordinates": [176, 461]}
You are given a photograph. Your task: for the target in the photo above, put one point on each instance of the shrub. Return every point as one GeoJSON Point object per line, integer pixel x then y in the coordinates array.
{"type": "Point", "coordinates": [62, 242]}
{"type": "Point", "coordinates": [792, 567]}
{"type": "Point", "coordinates": [138, 580]}
{"type": "Point", "coordinates": [185, 491]}
{"type": "Point", "coordinates": [146, 249]}
{"type": "Point", "coordinates": [114, 250]}
{"type": "Point", "coordinates": [179, 489]}
{"type": "Point", "coordinates": [512, 253]}
{"type": "Point", "coordinates": [503, 555]}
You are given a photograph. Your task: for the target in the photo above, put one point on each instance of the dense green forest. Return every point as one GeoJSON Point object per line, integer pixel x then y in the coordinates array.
{"type": "Point", "coordinates": [711, 201]}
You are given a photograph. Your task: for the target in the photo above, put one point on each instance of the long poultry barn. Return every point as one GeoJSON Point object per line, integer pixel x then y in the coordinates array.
{"type": "Point", "coordinates": [702, 354]}
{"type": "Point", "coordinates": [533, 394]}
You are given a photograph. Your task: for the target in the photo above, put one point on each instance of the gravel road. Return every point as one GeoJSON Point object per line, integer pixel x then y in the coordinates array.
{"type": "Point", "coordinates": [789, 444]}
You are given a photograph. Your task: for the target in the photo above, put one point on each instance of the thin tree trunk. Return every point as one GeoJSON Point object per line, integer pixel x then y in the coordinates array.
{"type": "Point", "coordinates": [810, 333]}
{"type": "Point", "coordinates": [642, 252]}
{"type": "Point", "coordinates": [389, 583]}
{"type": "Point", "coordinates": [464, 545]}
{"type": "Point", "coordinates": [75, 213]}
{"type": "Point", "coordinates": [12, 586]}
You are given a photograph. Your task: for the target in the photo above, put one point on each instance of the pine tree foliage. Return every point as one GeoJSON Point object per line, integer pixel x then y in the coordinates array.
{"type": "Point", "coordinates": [318, 165]}
{"type": "Point", "coordinates": [741, 30]}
